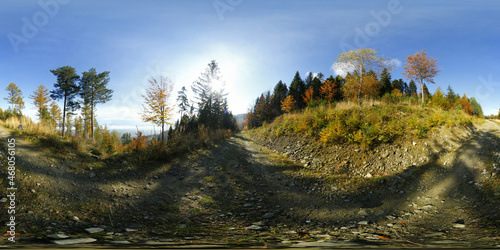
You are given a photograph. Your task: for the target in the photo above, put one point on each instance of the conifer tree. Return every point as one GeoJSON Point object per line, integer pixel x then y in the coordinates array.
{"type": "Point", "coordinates": [40, 99]}
{"type": "Point", "coordinates": [66, 89]}
{"type": "Point", "coordinates": [94, 91]}
{"type": "Point", "coordinates": [297, 90]}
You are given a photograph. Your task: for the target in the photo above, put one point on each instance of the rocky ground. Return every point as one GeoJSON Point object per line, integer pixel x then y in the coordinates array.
{"type": "Point", "coordinates": [441, 191]}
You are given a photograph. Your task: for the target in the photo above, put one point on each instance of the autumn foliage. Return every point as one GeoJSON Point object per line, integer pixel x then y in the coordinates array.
{"type": "Point", "coordinates": [369, 89]}
{"type": "Point", "coordinates": [329, 90]}
{"type": "Point", "coordinates": [309, 96]}
{"type": "Point", "coordinates": [288, 105]}
{"type": "Point", "coordinates": [421, 68]}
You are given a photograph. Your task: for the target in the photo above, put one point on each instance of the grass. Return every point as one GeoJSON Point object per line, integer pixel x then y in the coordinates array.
{"type": "Point", "coordinates": [368, 124]}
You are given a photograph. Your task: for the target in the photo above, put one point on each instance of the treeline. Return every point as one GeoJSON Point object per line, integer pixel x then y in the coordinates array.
{"type": "Point", "coordinates": [208, 111]}
{"type": "Point", "coordinates": [358, 84]}
{"type": "Point", "coordinates": [78, 93]}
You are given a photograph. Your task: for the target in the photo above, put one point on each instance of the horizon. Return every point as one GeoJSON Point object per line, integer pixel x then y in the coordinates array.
{"type": "Point", "coordinates": [256, 44]}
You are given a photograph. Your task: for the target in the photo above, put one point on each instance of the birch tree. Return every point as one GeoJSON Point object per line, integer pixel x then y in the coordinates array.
{"type": "Point", "coordinates": [361, 61]}
{"type": "Point", "coordinates": [157, 108]}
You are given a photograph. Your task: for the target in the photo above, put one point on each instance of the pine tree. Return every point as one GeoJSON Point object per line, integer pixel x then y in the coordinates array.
{"type": "Point", "coordinates": [157, 109]}
{"type": "Point", "coordinates": [279, 94]}
{"type": "Point", "coordinates": [385, 82]}
{"type": "Point", "coordinates": [66, 89]}
{"type": "Point", "coordinates": [297, 90]}
{"type": "Point", "coordinates": [94, 90]}
{"type": "Point", "coordinates": [412, 89]}
{"type": "Point", "coordinates": [182, 101]}
{"type": "Point", "coordinates": [15, 98]}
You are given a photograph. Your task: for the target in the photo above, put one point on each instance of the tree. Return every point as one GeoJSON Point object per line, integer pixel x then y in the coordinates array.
{"type": "Point", "coordinates": [94, 91]}
{"type": "Point", "coordinates": [182, 101]}
{"type": "Point", "coordinates": [40, 99]}
{"type": "Point", "coordinates": [15, 98]}
{"type": "Point", "coordinates": [476, 107]}
{"type": "Point", "coordinates": [370, 87]}
{"type": "Point", "coordinates": [385, 82]}
{"type": "Point", "coordinates": [465, 104]}
{"type": "Point", "coordinates": [412, 89]}
{"type": "Point", "coordinates": [288, 105]}
{"type": "Point", "coordinates": [55, 113]}
{"type": "Point", "coordinates": [361, 61]}
{"type": "Point", "coordinates": [451, 96]}
{"type": "Point", "coordinates": [297, 90]}
{"type": "Point", "coordinates": [126, 138]}
{"type": "Point", "coordinates": [66, 89]}
{"type": "Point", "coordinates": [329, 90]}
{"type": "Point", "coordinates": [421, 68]}
{"type": "Point", "coordinates": [279, 94]}
{"type": "Point", "coordinates": [157, 109]}
{"type": "Point", "coordinates": [309, 95]}
{"type": "Point", "coordinates": [212, 103]}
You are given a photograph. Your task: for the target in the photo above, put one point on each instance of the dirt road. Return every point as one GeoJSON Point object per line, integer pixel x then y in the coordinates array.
{"type": "Point", "coordinates": [240, 193]}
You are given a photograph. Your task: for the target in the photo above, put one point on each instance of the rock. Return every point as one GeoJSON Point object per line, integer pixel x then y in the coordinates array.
{"type": "Point", "coordinates": [119, 242]}
{"type": "Point", "coordinates": [363, 222]}
{"type": "Point", "coordinates": [92, 175]}
{"type": "Point", "coordinates": [368, 175]}
{"type": "Point", "coordinates": [254, 228]}
{"type": "Point", "coordinates": [3, 200]}
{"type": "Point", "coordinates": [291, 232]}
{"type": "Point", "coordinates": [130, 230]}
{"type": "Point", "coordinates": [74, 241]}
{"type": "Point", "coordinates": [363, 213]}
{"type": "Point", "coordinates": [414, 144]}
{"type": "Point", "coordinates": [58, 236]}
{"type": "Point", "coordinates": [75, 218]}
{"type": "Point", "coordinates": [247, 205]}
{"type": "Point", "coordinates": [33, 191]}
{"type": "Point", "coordinates": [94, 230]}
{"type": "Point", "coordinates": [268, 216]}
{"type": "Point", "coordinates": [147, 187]}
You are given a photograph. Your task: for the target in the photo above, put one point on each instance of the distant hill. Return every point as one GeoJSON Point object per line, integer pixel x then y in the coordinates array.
{"type": "Point", "coordinates": [240, 119]}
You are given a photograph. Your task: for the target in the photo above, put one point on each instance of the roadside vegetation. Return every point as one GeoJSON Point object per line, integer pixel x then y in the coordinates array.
{"type": "Point", "coordinates": [366, 106]}
{"type": "Point", "coordinates": [74, 129]}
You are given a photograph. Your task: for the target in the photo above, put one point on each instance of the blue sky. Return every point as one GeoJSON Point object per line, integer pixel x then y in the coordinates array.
{"type": "Point", "coordinates": [256, 43]}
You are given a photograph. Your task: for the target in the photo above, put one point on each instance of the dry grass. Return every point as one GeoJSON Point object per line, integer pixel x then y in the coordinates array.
{"type": "Point", "coordinates": [369, 123]}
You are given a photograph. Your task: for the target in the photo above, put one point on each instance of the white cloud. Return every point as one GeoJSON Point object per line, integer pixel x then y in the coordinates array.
{"type": "Point", "coordinates": [342, 69]}
{"type": "Point", "coordinates": [395, 62]}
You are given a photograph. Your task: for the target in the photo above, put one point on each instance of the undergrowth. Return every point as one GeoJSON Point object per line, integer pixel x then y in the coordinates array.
{"type": "Point", "coordinates": [367, 125]}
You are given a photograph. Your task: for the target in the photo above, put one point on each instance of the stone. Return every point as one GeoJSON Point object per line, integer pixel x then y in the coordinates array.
{"type": "Point", "coordinates": [3, 200]}
{"type": "Point", "coordinates": [254, 228]}
{"type": "Point", "coordinates": [94, 230]}
{"type": "Point", "coordinates": [363, 213]}
{"type": "Point", "coordinates": [58, 236]}
{"type": "Point", "coordinates": [363, 222]}
{"type": "Point", "coordinates": [268, 216]}
{"type": "Point", "coordinates": [92, 175]}
{"type": "Point", "coordinates": [128, 230]}
{"type": "Point", "coordinates": [119, 242]}
{"type": "Point", "coordinates": [75, 218]}
{"type": "Point", "coordinates": [368, 175]}
{"type": "Point", "coordinates": [74, 241]}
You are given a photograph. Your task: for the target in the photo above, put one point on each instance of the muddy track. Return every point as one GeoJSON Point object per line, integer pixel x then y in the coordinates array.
{"type": "Point", "coordinates": [240, 189]}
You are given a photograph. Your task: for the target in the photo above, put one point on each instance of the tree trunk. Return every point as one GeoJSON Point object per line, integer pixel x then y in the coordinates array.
{"type": "Point", "coordinates": [423, 92]}
{"type": "Point", "coordinates": [64, 116]}
{"type": "Point", "coordinates": [92, 120]}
